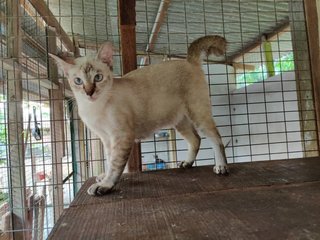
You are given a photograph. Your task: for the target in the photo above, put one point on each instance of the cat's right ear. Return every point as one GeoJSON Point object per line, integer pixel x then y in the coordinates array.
{"type": "Point", "coordinates": [105, 54]}
{"type": "Point", "coordinates": [62, 64]}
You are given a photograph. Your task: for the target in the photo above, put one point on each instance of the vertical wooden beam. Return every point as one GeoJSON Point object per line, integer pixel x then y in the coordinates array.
{"type": "Point", "coordinates": [58, 151]}
{"type": "Point", "coordinates": [305, 93]}
{"type": "Point", "coordinates": [312, 20]}
{"type": "Point", "coordinates": [127, 15]}
{"type": "Point", "coordinates": [172, 145]}
{"type": "Point", "coordinates": [15, 124]}
{"type": "Point", "coordinates": [57, 128]}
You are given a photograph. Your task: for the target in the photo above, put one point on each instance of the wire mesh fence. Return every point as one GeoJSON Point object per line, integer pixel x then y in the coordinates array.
{"type": "Point", "coordinates": [261, 92]}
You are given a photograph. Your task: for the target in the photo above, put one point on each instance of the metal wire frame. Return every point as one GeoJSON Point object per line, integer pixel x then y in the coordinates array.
{"type": "Point", "coordinates": [232, 109]}
{"type": "Point", "coordinates": [223, 111]}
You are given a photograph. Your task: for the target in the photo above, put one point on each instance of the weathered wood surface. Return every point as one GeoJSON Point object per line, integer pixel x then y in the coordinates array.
{"type": "Point", "coordinates": [265, 200]}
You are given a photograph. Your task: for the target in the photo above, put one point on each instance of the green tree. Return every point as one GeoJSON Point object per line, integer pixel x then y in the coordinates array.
{"type": "Point", "coordinates": [285, 63]}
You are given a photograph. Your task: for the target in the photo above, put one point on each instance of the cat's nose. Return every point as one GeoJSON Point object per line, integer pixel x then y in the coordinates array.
{"type": "Point", "coordinates": [89, 90]}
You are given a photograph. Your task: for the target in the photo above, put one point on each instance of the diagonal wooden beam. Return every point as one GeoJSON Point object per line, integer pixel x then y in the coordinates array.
{"type": "Point", "coordinates": [162, 12]}
{"type": "Point", "coordinates": [270, 35]}
{"type": "Point", "coordinates": [41, 7]}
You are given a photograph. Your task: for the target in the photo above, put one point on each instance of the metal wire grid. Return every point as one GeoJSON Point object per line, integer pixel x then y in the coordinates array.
{"type": "Point", "coordinates": [258, 120]}
{"type": "Point", "coordinates": [261, 121]}
{"type": "Point", "coordinates": [48, 186]}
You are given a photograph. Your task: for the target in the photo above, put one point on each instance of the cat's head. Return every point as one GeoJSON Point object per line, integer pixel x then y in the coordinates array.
{"type": "Point", "coordinates": [89, 78]}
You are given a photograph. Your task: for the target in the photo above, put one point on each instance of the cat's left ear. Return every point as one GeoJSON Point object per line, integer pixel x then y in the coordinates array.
{"type": "Point", "coordinates": [105, 54]}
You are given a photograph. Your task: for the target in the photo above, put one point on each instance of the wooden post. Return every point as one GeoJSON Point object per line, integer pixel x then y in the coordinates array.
{"type": "Point", "coordinates": [314, 51]}
{"type": "Point", "coordinates": [172, 145]}
{"type": "Point", "coordinates": [57, 128]}
{"type": "Point", "coordinates": [305, 93]}
{"type": "Point", "coordinates": [127, 15]}
{"type": "Point", "coordinates": [15, 124]}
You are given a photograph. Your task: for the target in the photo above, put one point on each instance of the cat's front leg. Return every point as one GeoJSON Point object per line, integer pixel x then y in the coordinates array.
{"type": "Point", "coordinates": [119, 154]}
{"type": "Point", "coordinates": [107, 146]}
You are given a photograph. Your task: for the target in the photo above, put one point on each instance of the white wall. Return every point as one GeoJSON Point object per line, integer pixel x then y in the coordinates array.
{"type": "Point", "coordinates": [265, 116]}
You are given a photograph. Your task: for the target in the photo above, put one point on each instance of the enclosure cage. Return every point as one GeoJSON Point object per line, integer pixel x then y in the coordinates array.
{"type": "Point", "coordinates": [264, 91]}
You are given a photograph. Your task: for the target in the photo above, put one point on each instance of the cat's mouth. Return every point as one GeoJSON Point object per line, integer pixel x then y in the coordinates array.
{"type": "Point", "coordinates": [93, 97]}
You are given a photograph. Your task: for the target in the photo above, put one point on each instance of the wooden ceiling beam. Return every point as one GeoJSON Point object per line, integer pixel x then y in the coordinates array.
{"type": "Point", "coordinates": [270, 35]}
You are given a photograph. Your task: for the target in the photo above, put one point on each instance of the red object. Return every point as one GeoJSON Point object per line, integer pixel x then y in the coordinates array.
{"type": "Point", "coordinates": [41, 176]}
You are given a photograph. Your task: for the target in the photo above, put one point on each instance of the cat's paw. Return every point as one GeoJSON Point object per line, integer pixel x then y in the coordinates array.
{"type": "Point", "coordinates": [100, 177]}
{"type": "Point", "coordinates": [221, 169]}
{"type": "Point", "coordinates": [185, 164]}
{"type": "Point", "coordinates": [99, 189]}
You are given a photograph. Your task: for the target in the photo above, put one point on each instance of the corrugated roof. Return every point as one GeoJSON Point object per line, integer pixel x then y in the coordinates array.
{"type": "Point", "coordinates": [240, 21]}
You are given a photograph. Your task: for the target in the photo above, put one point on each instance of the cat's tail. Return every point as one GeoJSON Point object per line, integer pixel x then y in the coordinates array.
{"type": "Point", "coordinates": [209, 45]}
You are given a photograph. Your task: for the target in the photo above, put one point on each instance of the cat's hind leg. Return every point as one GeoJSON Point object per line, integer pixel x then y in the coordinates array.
{"type": "Point", "coordinates": [209, 128]}
{"type": "Point", "coordinates": [120, 151]}
{"type": "Point", "coordinates": [205, 123]}
{"type": "Point", "coordinates": [189, 133]}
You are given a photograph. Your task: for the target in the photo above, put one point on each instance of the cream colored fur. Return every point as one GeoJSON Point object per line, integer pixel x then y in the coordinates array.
{"type": "Point", "coordinates": [121, 111]}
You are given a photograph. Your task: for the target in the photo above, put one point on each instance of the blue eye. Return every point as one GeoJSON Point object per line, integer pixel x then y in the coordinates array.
{"type": "Point", "coordinates": [98, 77]}
{"type": "Point", "coordinates": [78, 81]}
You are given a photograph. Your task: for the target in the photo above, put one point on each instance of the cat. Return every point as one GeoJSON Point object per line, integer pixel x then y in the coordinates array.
{"type": "Point", "coordinates": [121, 111]}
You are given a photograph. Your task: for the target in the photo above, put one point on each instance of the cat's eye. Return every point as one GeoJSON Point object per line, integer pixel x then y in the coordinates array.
{"type": "Point", "coordinates": [98, 77]}
{"type": "Point", "coordinates": [78, 81]}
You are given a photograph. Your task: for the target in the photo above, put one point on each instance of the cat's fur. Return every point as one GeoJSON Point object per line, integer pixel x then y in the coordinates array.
{"type": "Point", "coordinates": [120, 111]}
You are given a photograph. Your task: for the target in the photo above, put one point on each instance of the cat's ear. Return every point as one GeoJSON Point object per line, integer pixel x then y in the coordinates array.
{"type": "Point", "coordinates": [64, 63]}
{"type": "Point", "coordinates": [105, 54]}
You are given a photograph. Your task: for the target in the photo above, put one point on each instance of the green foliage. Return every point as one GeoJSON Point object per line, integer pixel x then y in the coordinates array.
{"type": "Point", "coordinates": [3, 197]}
{"type": "Point", "coordinates": [3, 130]}
{"type": "Point", "coordinates": [285, 63]}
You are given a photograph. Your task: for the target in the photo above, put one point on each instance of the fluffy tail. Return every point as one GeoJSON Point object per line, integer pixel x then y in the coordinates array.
{"type": "Point", "coordinates": [209, 44]}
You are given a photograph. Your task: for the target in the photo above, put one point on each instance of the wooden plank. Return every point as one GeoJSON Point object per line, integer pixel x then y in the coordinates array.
{"type": "Point", "coordinates": [52, 48]}
{"type": "Point", "coordinates": [58, 150]}
{"type": "Point", "coordinates": [57, 128]}
{"type": "Point", "coordinates": [272, 213]}
{"type": "Point", "coordinates": [303, 75]}
{"type": "Point", "coordinates": [42, 8]}
{"type": "Point", "coordinates": [197, 204]}
{"type": "Point", "coordinates": [246, 67]}
{"type": "Point", "coordinates": [127, 15]}
{"type": "Point", "coordinates": [312, 20]}
{"type": "Point", "coordinates": [17, 181]}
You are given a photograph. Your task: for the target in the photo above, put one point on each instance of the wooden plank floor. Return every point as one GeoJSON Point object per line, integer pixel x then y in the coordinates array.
{"type": "Point", "coordinates": [263, 200]}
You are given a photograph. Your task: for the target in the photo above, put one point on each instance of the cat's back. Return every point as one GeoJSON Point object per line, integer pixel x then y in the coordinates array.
{"type": "Point", "coordinates": [167, 70]}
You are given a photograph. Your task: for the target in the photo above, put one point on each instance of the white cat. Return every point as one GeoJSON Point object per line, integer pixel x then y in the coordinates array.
{"type": "Point", "coordinates": [121, 111]}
